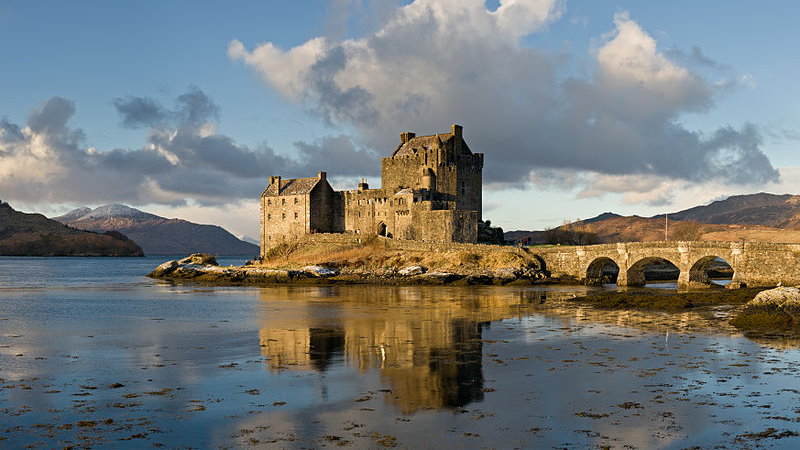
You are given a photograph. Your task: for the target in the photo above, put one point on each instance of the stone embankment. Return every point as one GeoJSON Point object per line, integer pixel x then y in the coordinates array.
{"type": "Point", "coordinates": [204, 268]}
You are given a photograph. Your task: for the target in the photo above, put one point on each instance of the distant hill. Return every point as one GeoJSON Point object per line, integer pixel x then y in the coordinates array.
{"type": "Point", "coordinates": [158, 235]}
{"type": "Point", "coordinates": [23, 234]}
{"type": "Point", "coordinates": [770, 210]}
{"type": "Point", "coordinates": [755, 217]}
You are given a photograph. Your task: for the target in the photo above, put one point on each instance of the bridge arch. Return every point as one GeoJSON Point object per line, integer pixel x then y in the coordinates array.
{"type": "Point", "coordinates": [698, 273]}
{"type": "Point", "coordinates": [635, 274]}
{"type": "Point", "coordinates": [604, 269]}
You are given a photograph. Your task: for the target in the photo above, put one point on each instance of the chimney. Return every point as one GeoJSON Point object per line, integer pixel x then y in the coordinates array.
{"type": "Point", "coordinates": [362, 185]}
{"type": "Point", "coordinates": [276, 180]}
{"type": "Point", "coordinates": [456, 130]}
{"type": "Point", "coordinates": [407, 136]}
{"type": "Point", "coordinates": [322, 175]}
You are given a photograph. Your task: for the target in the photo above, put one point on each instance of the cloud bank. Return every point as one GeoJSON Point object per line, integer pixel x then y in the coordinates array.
{"type": "Point", "coordinates": [437, 62]}
{"type": "Point", "coordinates": [184, 159]}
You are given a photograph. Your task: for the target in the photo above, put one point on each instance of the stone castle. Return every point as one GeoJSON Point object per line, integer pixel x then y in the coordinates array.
{"type": "Point", "coordinates": [431, 191]}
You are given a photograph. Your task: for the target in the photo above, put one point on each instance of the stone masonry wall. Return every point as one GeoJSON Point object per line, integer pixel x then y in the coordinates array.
{"type": "Point", "coordinates": [753, 263]}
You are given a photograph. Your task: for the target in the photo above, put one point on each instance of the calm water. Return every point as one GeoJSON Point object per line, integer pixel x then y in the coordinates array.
{"type": "Point", "coordinates": [94, 354]}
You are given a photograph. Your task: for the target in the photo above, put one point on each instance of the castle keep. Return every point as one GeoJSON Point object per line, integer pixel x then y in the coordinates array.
{"type": "Point", "coordinates": [431, 191]}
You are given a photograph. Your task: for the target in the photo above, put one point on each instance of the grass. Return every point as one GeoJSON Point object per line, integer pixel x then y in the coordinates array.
{"type": "Point", "coordinates": [374, 255]}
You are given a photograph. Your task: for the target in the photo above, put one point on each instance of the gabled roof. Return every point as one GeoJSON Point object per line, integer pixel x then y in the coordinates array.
{"type": "Point", "coordinates": [292, 186]}
{"type": "Point", "coordinates": [415, 144]}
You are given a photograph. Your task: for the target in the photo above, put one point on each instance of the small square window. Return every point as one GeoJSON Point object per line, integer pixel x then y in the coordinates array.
{"type": "Point", "coordinates": [295, 216]}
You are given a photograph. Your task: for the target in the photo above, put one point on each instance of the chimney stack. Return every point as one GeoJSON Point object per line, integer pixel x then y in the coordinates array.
{"type": "Point", "coordinates": [275, 179]}
{"type": "Point", "coordinates": [407, 136]}
{"type": "Point", "coordinates": [322, 175]}
{"type": "Point", "coordinates": [362, 185]}
{"type": "Point", "coordinates": [456, 130]}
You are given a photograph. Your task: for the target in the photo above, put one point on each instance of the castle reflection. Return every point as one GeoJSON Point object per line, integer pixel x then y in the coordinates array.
{"type": "Point", "coordinates": [426, 343]}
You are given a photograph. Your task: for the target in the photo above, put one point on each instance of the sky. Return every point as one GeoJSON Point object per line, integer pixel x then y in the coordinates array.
{"type": "Point", "coordinates": [185, 108]}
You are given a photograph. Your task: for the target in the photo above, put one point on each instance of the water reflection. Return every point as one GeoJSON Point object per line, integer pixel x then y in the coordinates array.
{"type": "Point", "coordinates": [427, 344]}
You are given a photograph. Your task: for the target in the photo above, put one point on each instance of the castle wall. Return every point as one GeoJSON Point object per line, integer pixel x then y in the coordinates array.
{"type": "Point", "coordinates": [284, 218]}
{"type": "Point", "coordinates": [470, 182]}
{"type": "Point", "coordinates": [446, 226]}
{"type": "Point", "coordinates": [322, 208]}
{"type": "Point", "coordinates": [366, 209]}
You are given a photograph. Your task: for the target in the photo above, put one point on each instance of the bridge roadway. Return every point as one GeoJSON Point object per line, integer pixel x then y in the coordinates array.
{"type": "Point", "coordinates": [753, 263]}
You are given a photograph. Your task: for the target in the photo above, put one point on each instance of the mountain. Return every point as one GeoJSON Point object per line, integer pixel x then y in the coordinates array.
{"type": "Point", "coordinates": [23, 234]}
{"type": "Point", "coordinates": [601, 217]}
{"type": "Point", "coordinates": [249, 239]}
{"type": "Point", "coordinates": [771, 210]}
{"type": "Point", "coordinates": [158, 235]}
{"type": "Point", "coordinates": [754, 217]}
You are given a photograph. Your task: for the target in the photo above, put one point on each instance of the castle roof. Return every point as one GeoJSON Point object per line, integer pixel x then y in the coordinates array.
{"type": "Point", "coordinates": [292, 186]}
{"type": "Point", "coordinates": [419, 143]}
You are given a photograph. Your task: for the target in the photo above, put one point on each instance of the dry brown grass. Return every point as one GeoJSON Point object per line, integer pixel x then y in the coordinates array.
{"type": "Point", "coordinates": [375, 255]}
{"type": "Point", "coordinates": [639, 229]}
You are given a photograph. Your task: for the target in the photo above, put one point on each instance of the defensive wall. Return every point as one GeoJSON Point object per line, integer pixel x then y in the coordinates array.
{"type": "Point", "coordinates": [753, 263]}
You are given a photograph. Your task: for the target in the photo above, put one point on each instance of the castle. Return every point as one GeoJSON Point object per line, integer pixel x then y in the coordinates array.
{"type": "Point", "coordinates": [431, 191]}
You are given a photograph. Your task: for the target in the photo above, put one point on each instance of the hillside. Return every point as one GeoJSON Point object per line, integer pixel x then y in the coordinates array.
{"type": "Point", "coordinates": [158, 235]}
{"type": "Point", "coordinates": [769, 210]}
{"type": "Point", "coordinates": [23, 234]}
{"type": "Point", "coordinates": [755, 217]}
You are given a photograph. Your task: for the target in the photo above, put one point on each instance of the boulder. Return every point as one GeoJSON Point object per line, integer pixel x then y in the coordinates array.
{"type": "Point", "coordinates": [412, 270]}
{"type": "Point", "coordinates": [164, 269]}
{"type": "Point", "coordinates": [200, 259]}
{"type": "Point", "coordinates": [319, 271]}
{"type": "Point", "coordinates": [771, 309]}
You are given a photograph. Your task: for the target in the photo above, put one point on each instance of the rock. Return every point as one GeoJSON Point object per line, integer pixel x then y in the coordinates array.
{"type": "Point", "coordinates": [771, 309]}
{"type": "Point", "coordinates": [164, 269]}
{"type": "Point", "coordinates": [200, 259]}
{"type": "Point", "coordinates": [507, 273]}
{"type": "Point", "coordinates": [735, 285]}
{"type": "Point", "coordinates": [437, 277]}
{"type": "Point", "coordinates": [412, 270]}
{"type": "Point", "coordinates": [319, 271]}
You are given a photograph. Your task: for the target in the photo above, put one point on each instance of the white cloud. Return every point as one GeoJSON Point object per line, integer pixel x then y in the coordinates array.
{"type": "Point", "coordinates": [440, 62]}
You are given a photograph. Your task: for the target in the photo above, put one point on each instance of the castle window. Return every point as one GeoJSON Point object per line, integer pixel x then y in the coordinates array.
{"type": "Point", "coordinates": [269, 216]}
{"type": "Point", "coordinates": [283, 216]}
{"type": "Point", "coordinates": [283, 201]}
{"type": "Point", "coordinates": [296, 200]}
{"type": "Point", "coordinates": [295, 216]}
{"type": "Point", "coordinates": [269, 202]}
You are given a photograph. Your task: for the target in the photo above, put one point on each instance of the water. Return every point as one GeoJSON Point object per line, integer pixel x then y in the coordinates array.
{"type": "Point", "coordinates": [94, 354]}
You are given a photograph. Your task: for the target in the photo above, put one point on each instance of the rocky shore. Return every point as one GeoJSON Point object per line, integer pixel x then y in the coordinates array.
{"type": "Point", "coordinates": [753, 310]}
{"type": "Point", "coordinates": [204, 268]}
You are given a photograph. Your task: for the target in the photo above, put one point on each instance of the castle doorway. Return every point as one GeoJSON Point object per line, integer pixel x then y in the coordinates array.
{"type": "Point", "coordinates": [382, 229]}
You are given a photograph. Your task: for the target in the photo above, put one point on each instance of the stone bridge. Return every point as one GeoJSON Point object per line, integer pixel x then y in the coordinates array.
{"type": "Point", "coordinates": [753, 263]}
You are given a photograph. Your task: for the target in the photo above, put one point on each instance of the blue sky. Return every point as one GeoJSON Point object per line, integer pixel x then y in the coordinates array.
{"type": "Point", "coordinates": [716, 95]}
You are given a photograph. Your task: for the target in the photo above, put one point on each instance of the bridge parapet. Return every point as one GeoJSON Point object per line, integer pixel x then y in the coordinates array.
{"type": "Point", "coordinates": [753, 263]}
